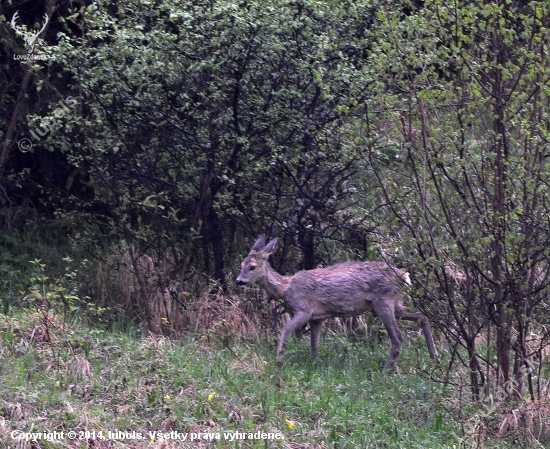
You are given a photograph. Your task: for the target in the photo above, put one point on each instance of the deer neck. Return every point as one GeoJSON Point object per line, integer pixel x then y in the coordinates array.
{"type": "Point", "coordinates": [274, 283]}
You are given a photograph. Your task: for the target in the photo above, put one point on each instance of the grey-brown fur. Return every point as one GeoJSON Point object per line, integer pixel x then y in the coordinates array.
{"type": "Point", "coordinates": [341, 290]}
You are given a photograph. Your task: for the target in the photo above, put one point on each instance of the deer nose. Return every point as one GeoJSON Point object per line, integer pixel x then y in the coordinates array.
{"type": "Point", "coordinates": [239, 282]}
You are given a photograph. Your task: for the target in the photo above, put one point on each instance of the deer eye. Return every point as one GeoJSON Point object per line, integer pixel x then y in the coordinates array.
{"type": "Point", "coordinates": [252, 268]}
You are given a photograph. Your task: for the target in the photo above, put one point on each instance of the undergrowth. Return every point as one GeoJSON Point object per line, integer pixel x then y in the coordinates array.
{"type": "Point", "coordinates": [65, 383]}
{"type": "Point", "coordinates": [86, 380]}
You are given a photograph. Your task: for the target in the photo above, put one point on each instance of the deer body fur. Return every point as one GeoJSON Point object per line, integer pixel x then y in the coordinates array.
{"type": "Point", "coordinates": [342, 290]}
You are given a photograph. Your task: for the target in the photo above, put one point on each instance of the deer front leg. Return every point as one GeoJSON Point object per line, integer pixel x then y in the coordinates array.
{"type": "Point", "coordinates": [387, 315]}
{"type": "Point", "coordinates": [298, 320]}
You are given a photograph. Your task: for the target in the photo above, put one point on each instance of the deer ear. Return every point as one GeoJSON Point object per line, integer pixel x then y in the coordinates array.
{"type": "Point", "coordinates": [270, 247]}
{"type": "Point", "coordinates": [260, 243]}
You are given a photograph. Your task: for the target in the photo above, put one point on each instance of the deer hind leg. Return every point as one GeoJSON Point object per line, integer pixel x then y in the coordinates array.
{"type": "Point", "coordinates": [297, 322]}
{"type": "Point", "coordinates": [315, 329]}
{"type": "Point", "coordinates": [387, 315]}
{"type": "Point", "coordinates": [402, 314]}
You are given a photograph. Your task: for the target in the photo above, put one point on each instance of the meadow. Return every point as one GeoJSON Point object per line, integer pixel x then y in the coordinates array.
{"type": "Point", "coordinates": [64, 384]}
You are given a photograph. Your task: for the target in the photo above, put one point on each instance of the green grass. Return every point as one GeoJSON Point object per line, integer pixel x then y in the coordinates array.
{"type": "Point", "coordinates": [95, 381]}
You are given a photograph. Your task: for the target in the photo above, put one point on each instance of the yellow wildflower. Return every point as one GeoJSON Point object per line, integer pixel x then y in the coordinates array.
{"type": "Point", "coordinates": [167, 398]}
{"type": "Point", "coordinates": [289, 423]}
{"type": "Point", "coordinates": [211, 395]}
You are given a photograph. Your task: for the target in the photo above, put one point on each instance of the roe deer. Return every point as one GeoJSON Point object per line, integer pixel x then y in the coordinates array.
{"type": "Point", "coordinates": [341, 290]}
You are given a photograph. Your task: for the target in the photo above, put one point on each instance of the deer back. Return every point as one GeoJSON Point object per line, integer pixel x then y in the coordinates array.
{"type": "Point", "coordinates": [344, 289]}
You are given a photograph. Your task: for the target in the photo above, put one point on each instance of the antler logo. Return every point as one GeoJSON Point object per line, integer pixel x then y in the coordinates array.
{"type": "Point", "coordinates": [30, 39]}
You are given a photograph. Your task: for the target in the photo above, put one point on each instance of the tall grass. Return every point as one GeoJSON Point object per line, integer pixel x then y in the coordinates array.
{"type": "Point", "coordinates": [59, 373]}
{"type": "Point", "coordinates": [90, 380]}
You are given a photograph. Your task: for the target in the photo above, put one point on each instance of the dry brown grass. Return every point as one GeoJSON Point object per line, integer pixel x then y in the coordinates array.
{"type": "Point", "coordinates": [145, 287]}
{"type": "Point", "coordinates": [531, 421]}
{"type": "Point", "coordinates": [79, 368]}
{"type": "Point", "coordinates": [222, 316]}
{"type": "Point", "coordinates": [139, 285]}
{"type": "Point", "coordinates": [142, 282]}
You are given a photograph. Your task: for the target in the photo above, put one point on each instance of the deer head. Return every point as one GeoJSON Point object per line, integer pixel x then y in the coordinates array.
{"type": "Point", "coordinates": [256, 264]}
{"type": "Point", "coordinates": [30, 39]}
